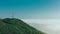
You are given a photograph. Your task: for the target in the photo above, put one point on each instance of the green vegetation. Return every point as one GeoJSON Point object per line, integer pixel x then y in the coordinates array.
{"type": "Point", "coordinates": [16, 26]}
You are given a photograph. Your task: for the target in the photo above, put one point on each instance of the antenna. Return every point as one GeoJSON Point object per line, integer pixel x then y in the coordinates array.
{"type": "Point", "coordinates": [12, 15]}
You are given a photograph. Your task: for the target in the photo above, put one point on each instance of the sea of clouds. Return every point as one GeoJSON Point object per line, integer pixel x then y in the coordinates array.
{"type": "Point", "coordinates": [49, 26]}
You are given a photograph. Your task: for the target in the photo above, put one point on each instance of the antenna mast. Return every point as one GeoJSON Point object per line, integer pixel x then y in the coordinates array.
{"type": "Point", "coordinates": [11, 12]}
{"type": "Point", "coordinates": [12, 16]}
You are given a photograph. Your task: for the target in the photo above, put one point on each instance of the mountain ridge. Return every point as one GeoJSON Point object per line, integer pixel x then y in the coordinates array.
{"type": "Point", "coordinates": [16, 26]}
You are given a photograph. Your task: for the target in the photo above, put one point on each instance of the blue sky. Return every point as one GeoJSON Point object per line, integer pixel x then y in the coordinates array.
{"type": "Point", "coordinates": [30, 9]}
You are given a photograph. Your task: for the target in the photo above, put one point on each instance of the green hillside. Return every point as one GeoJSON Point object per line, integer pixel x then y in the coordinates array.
{"type": "Point", "coordinates": [16, 26]}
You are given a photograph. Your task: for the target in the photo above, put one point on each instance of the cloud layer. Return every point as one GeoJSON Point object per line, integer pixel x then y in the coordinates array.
{"type": "Point", "coordinates": [50, 26]}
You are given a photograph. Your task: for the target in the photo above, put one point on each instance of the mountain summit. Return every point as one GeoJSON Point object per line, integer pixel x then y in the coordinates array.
{"type": "Point", "coordinates": [16, 26]}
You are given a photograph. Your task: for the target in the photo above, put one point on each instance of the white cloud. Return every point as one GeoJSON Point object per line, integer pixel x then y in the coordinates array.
{"type": "Point", "coordinates": [50, 26]}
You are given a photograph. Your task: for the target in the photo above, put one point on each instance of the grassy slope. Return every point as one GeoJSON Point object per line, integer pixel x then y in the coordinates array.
{"type": "Point", "coordinates": [16, 26]}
